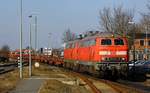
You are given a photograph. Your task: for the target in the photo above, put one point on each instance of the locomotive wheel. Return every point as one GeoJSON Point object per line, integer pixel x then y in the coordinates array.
{"type": "Point", "coordinates": [115, 74]}
{"type": "Point", "coordinates": [101, 74]}
{"type": "Point", "coordinates": [64, 65]}
{"type": "Point", "coordinates": [85, 69]}
{"type": "Point", "coordinates": [108, 74]}
{"type": "Point", "coordinates": [75, 67]}
{"type": "Point", "coordinates": [78, 68]}
{"type": "Point", "coordinates": [67, 65]}
{"type": "Point", "coordinates": [88, 70]}
{"type": "Point", "coordinates": [92, 71]}
{"type": "Point", "coordinates": [72, 66]}
{"type": "Point", "coordinates": [123, 72]}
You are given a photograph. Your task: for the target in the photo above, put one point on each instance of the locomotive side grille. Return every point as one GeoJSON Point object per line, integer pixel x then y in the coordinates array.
{"type": "Point", "coordinates": [117, 59]}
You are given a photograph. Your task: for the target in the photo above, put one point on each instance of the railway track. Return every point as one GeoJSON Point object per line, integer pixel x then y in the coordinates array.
{"type": "Point", "coordinates": [4, 68]}
{"type": "Point", "coordinates": [88, 82]}
{"type": "Point", "coordinates": [118, 87]}
{"type": "Point", "coordinates": [7, 67]}
{"type": "Point", "coordinates": [134, 86]}
{"type": "Point", "coordinates": [95, 85]}
{"type": "Point", "coordinates": [122, 86]}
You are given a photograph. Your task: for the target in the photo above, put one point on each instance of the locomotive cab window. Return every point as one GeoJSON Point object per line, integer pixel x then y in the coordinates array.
{"type": "Point", "coordinates": [119, 41]}
{"type": "Point", "coordinates": [106, 42]}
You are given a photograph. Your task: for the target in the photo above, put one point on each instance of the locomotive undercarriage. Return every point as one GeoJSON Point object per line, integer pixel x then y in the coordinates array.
{"type": "Point", "coordinates": [113, 70]}
{"type": "Point", "coordinates": [105, 70]}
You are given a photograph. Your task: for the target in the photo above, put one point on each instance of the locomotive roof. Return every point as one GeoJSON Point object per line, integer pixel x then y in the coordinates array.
{"type": "Point", "coordinates": [101, 34]}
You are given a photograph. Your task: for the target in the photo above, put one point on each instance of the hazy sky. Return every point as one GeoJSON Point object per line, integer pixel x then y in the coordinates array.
{"type": "Point", "coordinates": [55, 16]}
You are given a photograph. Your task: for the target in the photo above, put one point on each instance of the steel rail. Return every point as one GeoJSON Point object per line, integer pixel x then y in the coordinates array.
{"type": "Point", "coordinates": [88, 82]}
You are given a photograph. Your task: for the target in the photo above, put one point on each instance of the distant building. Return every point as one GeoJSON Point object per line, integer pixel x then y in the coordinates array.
{"type": "Point", "coordinates": [142, 47]}
{"type": "Point", "coordinates": [47, 51]}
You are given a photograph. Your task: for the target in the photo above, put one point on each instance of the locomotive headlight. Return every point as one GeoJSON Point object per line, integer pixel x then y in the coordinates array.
{"type": "Point", "coordinates": [121, 52]}
{"type": "Point", "coordinates": [123, 59]}
{"type": "Point", "coordinates": [103, 58]}
{"type": "Point", "coordinates": [104, 53]}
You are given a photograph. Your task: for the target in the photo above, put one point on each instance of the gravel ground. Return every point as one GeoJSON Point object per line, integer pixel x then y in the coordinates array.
{"type": "Point", "coordinates": [55, 80]}
{"type": "Point", "coordinates": [55, 86]}
{"type": "Point", "coordinates": [147, 82]}
{"type": "Point", "coordinates": [59, 81]}
{"type": "Point", "coordinates": [8, 81]}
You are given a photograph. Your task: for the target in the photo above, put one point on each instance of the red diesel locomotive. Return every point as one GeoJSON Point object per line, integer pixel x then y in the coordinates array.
{"type": "Point", "coordinates": [101, 54]}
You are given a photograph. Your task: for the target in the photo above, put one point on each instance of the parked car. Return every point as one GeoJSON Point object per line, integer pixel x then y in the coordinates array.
{"type": "Point", "coordinates": [138, 70]}
{"type": "Point", "coordinates": [136, 67]}
{"type": "Point", "coordinates": [136, 63]}
{"type": "Point", "coordinates": [140, 66]}
{"type": "Point", "coordinates": [146, 66]}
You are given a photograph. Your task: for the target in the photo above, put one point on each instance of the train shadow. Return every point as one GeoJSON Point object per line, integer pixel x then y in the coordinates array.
{"type": "Point", "coordinates": [136, 74]}
{"type": "Point", "coordinates": [137, 77]}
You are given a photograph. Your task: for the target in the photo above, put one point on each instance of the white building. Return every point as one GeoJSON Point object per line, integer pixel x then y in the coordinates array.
{"type": "Point", "coordinates": [47, 51]}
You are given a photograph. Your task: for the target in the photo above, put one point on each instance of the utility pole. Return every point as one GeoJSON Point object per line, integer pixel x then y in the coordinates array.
{"type": "Point", "coordinates": [20, 59]}
{"type": "Point", "coordinates": [49, 36]}
{"type": "Point", "coordinates": [36, 33]}
{"type": "Point", "coordinates": [30, 48]}
{"type": "Point", "coordinates": [146, 41]}
{"type": "Point", "coordinates": [49, 49]}
{"type": "Point", "coordinates": [134, 45]}
{"type": "Point", "coordinates": [133, 34]}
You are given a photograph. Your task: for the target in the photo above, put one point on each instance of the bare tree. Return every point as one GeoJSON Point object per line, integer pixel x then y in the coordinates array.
{"type": "Point", "coordinates": [4, 53]}
{"type": "Point", "coordinates": [106, 20]}
{"type": "Point", "coordinates": [144, 23]}
{"type": "Point", "coordinates": [68, 36]}
{"type": "Point", "coordinates": [116, 20]}
{"type": "Point", "coordinates": [5, 48]}
{"type": "Point", "coordinates": [145, 20]}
